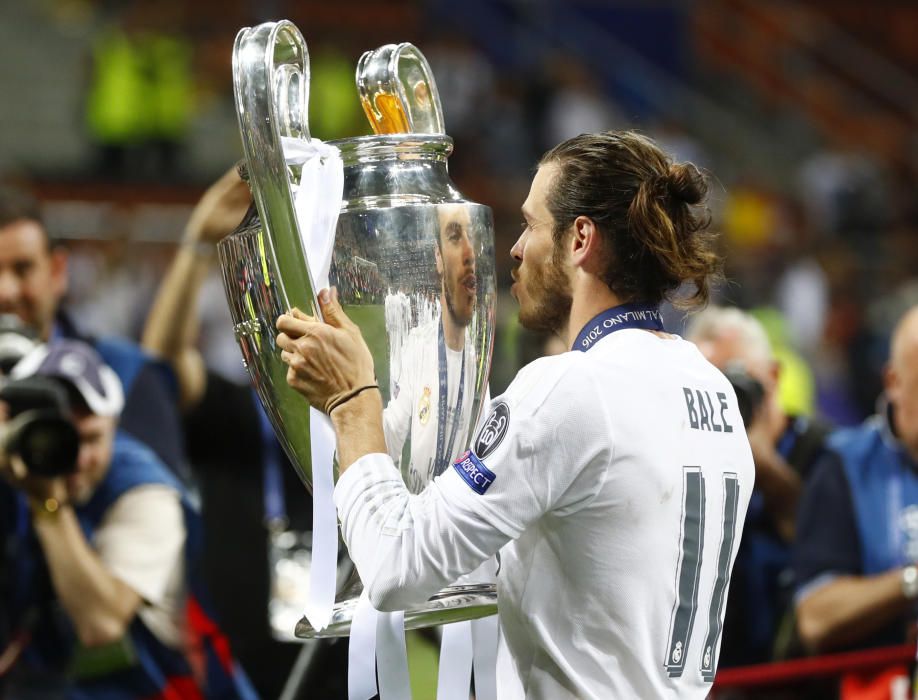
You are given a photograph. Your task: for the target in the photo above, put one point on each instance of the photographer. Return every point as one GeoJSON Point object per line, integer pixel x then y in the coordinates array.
{"type": "Point", "coordinates": [247, 486]}
{"type": "Point", "coordinates": [99, 554]}
{"type": "Point", "coordinates": [784, 449]}
{"type": "Point", "coordinates": [33, 285]}
{"type": "Point", "coordinates": [857, 550]}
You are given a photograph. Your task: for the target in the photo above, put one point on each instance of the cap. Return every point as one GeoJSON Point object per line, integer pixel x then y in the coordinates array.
{"type": "Point", "coordinates": [82, 367]}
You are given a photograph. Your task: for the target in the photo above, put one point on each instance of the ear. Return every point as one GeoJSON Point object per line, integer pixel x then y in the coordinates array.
{"type": "Point", "coordinates": [59, 277]}
{"type": "Point", "coordinates": [775, 372]}
{"type": "Point", "coordinates": [890, 383]}
{"type": "Point", "coordinates": [439, 260]}
{"type": "Point", "coordinates": [586, 245]}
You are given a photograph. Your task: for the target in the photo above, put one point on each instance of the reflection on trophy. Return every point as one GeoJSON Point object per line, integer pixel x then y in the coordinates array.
{"type": "Point", "coordinates": [434, 380]}
{"type": "Point", "coordinates": [411, 258]}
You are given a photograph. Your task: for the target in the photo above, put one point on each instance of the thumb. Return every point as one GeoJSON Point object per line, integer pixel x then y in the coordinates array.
{"type": "Point", "coordinates": [332, 312]}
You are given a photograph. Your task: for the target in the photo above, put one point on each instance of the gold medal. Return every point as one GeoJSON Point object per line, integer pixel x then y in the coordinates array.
{"type": "Point", "coordinates": [424, 406]}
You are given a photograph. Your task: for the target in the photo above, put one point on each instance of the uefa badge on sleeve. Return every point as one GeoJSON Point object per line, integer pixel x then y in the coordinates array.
{"type": "Point", "coordinates": [474, 472]}
{"type": "Point", "coordinates": [493, 430]}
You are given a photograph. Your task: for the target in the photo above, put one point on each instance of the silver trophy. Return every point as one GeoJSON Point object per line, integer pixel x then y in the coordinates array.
{"type": "Point", "coordinates": [412, 260]}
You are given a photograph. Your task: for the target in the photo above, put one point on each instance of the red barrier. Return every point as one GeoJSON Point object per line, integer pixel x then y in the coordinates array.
{"type": "Point", "coordinates": [786, 672]}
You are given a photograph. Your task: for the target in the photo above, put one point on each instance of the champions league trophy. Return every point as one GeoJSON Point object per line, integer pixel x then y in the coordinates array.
{"type": "Point", "coordinates": [411, 258]}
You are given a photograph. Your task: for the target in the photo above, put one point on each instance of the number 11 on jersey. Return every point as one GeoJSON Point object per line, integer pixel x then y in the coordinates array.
{"type": "Point", "coordinates": [688, 574]}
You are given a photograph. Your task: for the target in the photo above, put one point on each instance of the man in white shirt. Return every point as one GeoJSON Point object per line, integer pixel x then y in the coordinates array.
{"type": "Point", "coordinates": [613, 479]}
{"type": "Point", "coordinates": [434, 388]}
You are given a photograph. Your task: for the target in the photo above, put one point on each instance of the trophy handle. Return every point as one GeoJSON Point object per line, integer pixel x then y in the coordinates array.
{"type": "Point", "coordinates": [398, 91]}
{"type": "Point", "coordinates": [271, 85]}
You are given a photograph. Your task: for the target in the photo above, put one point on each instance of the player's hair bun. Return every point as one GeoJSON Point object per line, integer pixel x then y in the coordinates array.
{"type": "Point", "coordinates": [685, 183]}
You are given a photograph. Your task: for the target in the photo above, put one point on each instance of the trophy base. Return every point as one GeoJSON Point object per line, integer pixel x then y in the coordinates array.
{"type": "Point", "coordinates": [452, 604]}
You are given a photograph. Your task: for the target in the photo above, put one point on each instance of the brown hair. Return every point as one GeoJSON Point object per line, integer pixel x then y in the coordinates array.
{"type": "Point", "coordinates": [645, 206]}
{"type": "Point", "coordinates": [18, 205]}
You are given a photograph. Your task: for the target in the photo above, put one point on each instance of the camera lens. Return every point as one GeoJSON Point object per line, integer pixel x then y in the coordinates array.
{"type": "Point", "coordinates": [749, 392]}
{"type": "Point", "coordinates": [48, 444]}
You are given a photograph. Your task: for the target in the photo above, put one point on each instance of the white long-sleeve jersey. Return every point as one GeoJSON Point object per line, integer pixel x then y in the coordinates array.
{"type": "Point", "coordinates": [614, 484]}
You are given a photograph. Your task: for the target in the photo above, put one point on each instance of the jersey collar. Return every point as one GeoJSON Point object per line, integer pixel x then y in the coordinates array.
{"type": "Point", "coordinates": [636, 315]}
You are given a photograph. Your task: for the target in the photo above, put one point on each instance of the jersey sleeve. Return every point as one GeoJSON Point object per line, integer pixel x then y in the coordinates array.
{"type": "Point", "coordinates": [141, 540]}
{"type": "Point", "coordinates": [547, 449]}
{"type": "Point", "coordinates": [827, 543]}
{"type": "Point", "coordinates": [531, 462]}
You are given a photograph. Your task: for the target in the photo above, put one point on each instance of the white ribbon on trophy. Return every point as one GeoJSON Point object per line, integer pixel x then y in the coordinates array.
{"type": "Point", "coordinates": [317, 200]}
{"type": "Point", "coordinates": [374, 634]}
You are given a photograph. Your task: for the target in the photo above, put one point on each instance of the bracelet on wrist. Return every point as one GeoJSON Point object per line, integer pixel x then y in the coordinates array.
{"type": "Point", "coordinates": [344, 398]}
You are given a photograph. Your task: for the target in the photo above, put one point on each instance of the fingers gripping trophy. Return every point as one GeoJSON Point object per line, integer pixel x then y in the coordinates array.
{"type": "Point", "coordinates": [410, 262]}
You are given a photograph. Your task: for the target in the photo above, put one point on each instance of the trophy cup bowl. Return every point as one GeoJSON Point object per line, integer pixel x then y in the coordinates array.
{"type": "Point", "coordinates": [413, 263]}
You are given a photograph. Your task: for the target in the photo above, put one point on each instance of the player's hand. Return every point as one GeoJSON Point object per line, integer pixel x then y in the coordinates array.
{"type": "Point", "coordinates": [326, 360]}
{"type": "Point", "coordinates": [220, 209]}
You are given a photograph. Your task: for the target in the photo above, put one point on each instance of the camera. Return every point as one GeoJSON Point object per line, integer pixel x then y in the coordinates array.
{"type": "Point", "coordinates": [38, 427]}
{"type": "Point", "coordinates": [749, 391]}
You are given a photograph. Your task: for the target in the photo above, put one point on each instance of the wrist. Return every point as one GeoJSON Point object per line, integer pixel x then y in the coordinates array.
{"type": "Point", "coordinates": [357, 410]}
{"type": "Point", "coordinates": [358, 427]}
{"type": "Point", "coordinates": [46, 507]}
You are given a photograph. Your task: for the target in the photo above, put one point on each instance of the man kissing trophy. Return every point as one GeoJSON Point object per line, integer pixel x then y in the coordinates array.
{"type": "Point", "coordinates": [378, 219]}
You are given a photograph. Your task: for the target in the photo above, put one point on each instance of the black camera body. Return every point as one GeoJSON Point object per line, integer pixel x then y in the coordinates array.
{"type": "Point", "coordinates": [749, 392]}
{"type": "Point", "coordinates": [39, 428]}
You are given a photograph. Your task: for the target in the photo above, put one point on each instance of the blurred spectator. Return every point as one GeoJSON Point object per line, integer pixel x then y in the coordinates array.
{"type": "Point", "coordinates": [335, 111]}
{"type": "Point", "coordinates": [110, 285]}
{"type": "Point", "coordinates": [858, 525]}
{"type": "Point", "coordinates": [102, 559]}
{"type": "Point", "coordinates": [577, 104]}
{"type": "Point", "coordinates": [679, 144]}
{"type": "Point", "coordinates": [33, 282]}
{"type": "Point", "coordinates": [803, 296]}
{"type": "Point", "coordinates": [751, 216]}
{"type": "Point", "coordinates": [140, 98]}
{"type": "Point", "coordinates": [784, 448]}
{"type": "Point", "coordinates": [845, 193]}
{"type": "Point", "coordinates": [465, 81]}
{"type": "Point", "coordinates": [507, 134]}
{"type": "Point", "coordinates": [796, 392]}
{"type": "Point", "coordinates": [251, 497]}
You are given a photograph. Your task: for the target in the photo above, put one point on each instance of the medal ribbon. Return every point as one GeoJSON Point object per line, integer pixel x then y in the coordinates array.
{"type": "Point", "coordinates": [638, 315]}
{"type": "Point", "coordinates": [444, 449]}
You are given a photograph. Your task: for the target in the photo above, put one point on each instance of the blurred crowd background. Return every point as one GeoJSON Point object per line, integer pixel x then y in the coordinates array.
{"type": "Point", "coordinates": [119, 114]}
{"type": "Point", "coordinates": [804, 113]}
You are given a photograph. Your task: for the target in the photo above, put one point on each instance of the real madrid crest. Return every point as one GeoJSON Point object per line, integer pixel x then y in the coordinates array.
{"type": "Point", "coordinates": [424, 406]}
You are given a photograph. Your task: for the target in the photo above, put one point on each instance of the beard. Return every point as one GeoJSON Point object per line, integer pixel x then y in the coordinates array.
{"type": "Point", "coordinates": [550, 299]}
{"type": "Point", "coordinates": [460, 313]}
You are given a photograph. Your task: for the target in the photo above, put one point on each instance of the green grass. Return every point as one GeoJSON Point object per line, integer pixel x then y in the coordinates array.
{"type": "Point", "coordinates": [423, 666]}
{"type": "Point", "coordinates": [372, 322]}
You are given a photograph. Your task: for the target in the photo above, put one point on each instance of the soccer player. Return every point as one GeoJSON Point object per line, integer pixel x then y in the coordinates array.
{"type": "Point", "coordinates": [434, 390]}
{"type": "Point", "coordinates": [613, 479]}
